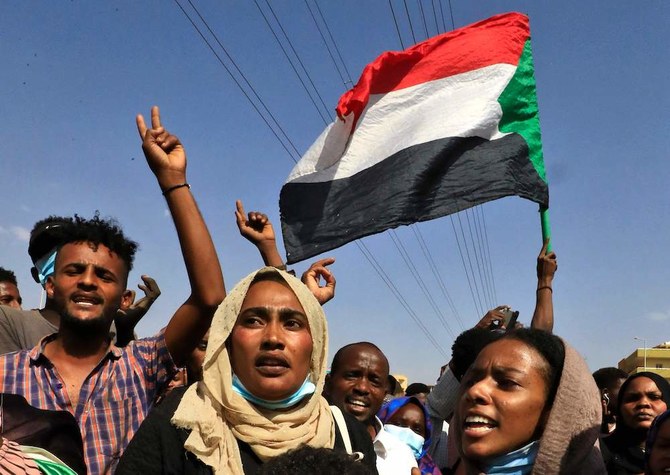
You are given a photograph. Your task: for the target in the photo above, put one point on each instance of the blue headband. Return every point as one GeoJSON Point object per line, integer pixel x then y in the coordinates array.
{"type": "Point", "coordinates": [46, 266]}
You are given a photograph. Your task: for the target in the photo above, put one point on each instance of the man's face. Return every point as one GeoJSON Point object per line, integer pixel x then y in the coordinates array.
{"type": "Point", "coordinates": [9, 295]}
{"type": "Point", "coordinates": [358, 384]}
{"type": "Point", "coordinates": [613, 392]}
{"type": "Point", "coordinates": [88, 284]}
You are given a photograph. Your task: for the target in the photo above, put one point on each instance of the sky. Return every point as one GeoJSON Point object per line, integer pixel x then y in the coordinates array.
{"type": "Point", "coordinates": [74, 75]}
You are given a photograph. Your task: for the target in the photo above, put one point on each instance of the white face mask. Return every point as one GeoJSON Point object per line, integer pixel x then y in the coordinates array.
{"type": "Point", "coordinates": [404, 434]}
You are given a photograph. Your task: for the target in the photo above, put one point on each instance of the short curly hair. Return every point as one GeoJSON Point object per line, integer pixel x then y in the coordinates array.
{"type": "Point", "coordinates": [7, 275]}
{"type": "Point", "coordinates": [98, 231]}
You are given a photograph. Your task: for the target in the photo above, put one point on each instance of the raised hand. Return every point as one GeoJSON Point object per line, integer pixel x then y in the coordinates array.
{"type": "Point", "coordinates": [547, 265]}
{"type": "Point", "coordinates": [151, 293]}
{"type": "Point", "coordinates": [127, 318]}
{"type": "Point", "coordinates": [255, 226]}
{"type": "Point", "coordinates": [493, 317]}
{"type": "Point", "coordinates": [164, 152]}
{"type": "Point", "coordinates": [312, 279]}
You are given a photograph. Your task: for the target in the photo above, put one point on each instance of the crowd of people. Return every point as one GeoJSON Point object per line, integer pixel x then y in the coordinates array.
{"type": "Point", "coordinates": [241, 383]}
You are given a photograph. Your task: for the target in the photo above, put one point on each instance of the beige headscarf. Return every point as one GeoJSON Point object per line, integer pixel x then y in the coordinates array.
{"type": "Point", "coordinates": [217, 416]}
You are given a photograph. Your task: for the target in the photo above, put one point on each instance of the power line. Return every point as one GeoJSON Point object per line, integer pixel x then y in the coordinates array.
{"type": "Point", "coordinates": [337, 50]}
{"type": "Point", "coordinates": [394, 290]}
{"type": "Point", "coordinates": [232, 76]}
{"type": "Point", "coordinates": [417, 277]}
{"type": "Point", "coordinates": [488, 251]}
{"type": "Point", "coordinates": [423, 17]}
{"type": "Point", "coordinates": [482, 253]}
{"type": "Point", "coordinates": [468, 213]}
{"type": "Point", "coordinates": [436, 273]}
{"type": "Point", "coordinates": [480, 241]}
{"type": "Point", "coordinates": [397, 29]}
{"type": "Point", "coordinates": [326, 44]}
{"type": "Point", "coordinates": [295, 70]}
{"type": "Point", "coordinates": [473, 290]}
{"type": "Point", "coordinates": [409, 19]}
{"type": "Point", "coordinates": [444, 26]}
{"type": "Point", "coordinates": [451, 14]}
{"type": "Point", "coordinates": [437, 26]}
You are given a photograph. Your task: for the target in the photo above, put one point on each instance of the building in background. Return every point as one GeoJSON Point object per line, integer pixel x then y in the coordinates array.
{"type": "Point", "coordinates": [655, 359]}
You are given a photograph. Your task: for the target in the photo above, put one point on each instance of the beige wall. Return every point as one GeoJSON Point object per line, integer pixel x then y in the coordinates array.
{"type": "Point", "coordinates": [658, 361]}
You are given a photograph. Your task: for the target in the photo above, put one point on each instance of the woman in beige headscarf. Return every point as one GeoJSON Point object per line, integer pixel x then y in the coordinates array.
{"type": "Point", "coordinates": [261, 390]}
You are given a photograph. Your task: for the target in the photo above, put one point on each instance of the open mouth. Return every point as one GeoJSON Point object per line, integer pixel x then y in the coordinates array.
{"type": "Point", "coordinates": [478, 425]}
{"type": "Point", "coordinates": [272, 365]}
{"type": "Point", "coordinates": [86, 300]}
{"type": "Point", "coordinates": [356, 405]}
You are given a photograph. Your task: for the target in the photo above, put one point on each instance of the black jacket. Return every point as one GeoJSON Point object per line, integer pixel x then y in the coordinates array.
{"type": "Point", "coordinates": [158, 446]}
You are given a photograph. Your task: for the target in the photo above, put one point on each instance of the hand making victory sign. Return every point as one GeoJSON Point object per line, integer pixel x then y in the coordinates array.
{"type": "Point", "coordinates": [164, 152]}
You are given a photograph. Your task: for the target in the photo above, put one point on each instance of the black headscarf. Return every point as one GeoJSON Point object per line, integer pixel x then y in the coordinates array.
{"type": "Point", "coordinates": [621, 449]}
{"type": "Point", "coordinates": [661, 384]}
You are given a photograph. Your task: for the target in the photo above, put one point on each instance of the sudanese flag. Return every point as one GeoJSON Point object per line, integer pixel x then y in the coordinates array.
{"type": "Point", "coordinates": [445, 125]}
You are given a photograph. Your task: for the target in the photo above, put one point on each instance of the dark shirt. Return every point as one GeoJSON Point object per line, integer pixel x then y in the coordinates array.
{"type": "Point", "coordinates": [621, 458]}
{"type": "Point", "coordinates": [158, 446]}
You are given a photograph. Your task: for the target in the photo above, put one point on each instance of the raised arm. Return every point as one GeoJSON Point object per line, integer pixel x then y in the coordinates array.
{"type": "Point", "coordinates": [543, 317]}
{"type": "Point", "coordinates": [167, 159]}
{"type": "Point", "coordinates": [257, 229]}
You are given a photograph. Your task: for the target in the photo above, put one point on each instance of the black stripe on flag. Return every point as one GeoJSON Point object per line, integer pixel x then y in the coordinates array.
{"type": "Point", "coordinates": [422, 182]}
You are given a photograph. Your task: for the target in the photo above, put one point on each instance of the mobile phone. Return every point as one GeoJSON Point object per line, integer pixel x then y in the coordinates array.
{"type": "Point", "coordinates": [511, 323]}
{"type": "Point", "coordinates": [510, 316]}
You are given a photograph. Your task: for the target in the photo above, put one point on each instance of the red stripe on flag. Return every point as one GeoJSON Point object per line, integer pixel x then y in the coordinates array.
{"type": "Point", "coordinates": [499, 39]}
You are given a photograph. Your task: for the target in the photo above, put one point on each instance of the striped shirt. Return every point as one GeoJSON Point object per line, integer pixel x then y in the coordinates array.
{"type": "Point", "coordinates": [114, 398]}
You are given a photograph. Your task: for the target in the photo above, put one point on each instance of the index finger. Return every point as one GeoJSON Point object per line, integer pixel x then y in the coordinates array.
{"type": "Point", "coordinates": [240, 210]}
{"type": "Point", "coordinates": [141, 126]}
{"type": "Point", "coordinates": [155, 117]}
{"type": "Point", "coordinates": [324, 262]}
{"type": "Point", "coordinates": [151, 283]}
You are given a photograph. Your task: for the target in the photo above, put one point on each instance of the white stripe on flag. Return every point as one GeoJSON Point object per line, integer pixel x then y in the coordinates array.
{"type": "Point", "coordinates": [464, 105]}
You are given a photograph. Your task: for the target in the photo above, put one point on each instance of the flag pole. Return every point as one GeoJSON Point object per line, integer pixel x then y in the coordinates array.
{"type": "Point", "coordinates": [546, 227]}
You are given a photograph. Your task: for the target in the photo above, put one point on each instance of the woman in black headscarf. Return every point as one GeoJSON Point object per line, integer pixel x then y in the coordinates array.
{"type": "Point", "coordinates": [642, 397]}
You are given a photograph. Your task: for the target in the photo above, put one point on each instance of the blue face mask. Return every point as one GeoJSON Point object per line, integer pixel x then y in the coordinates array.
{"type": "Point", "coordinates": [519, 462]}
{"type": "Point", "coordinates": [306, 389]}
{"type": "Point", "coordinates": [408, 436]}
{"type": "Point", "coordinates": [46, 266]}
